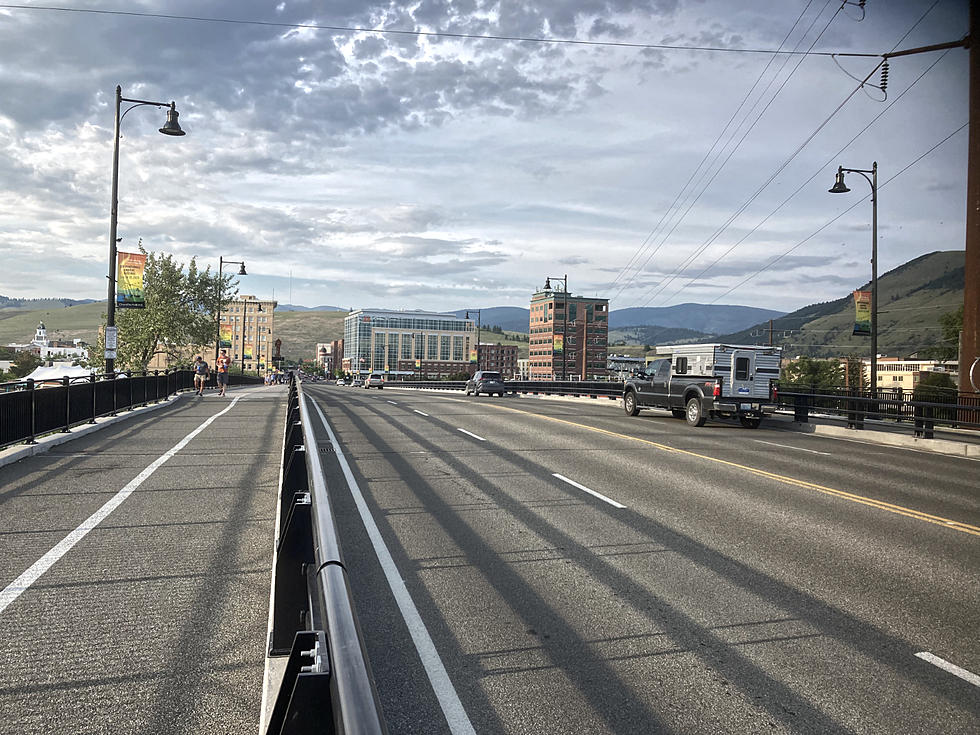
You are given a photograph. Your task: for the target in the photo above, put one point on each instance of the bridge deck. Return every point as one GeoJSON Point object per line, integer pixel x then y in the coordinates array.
{"type": "Point", "coordinates": [155, 620]}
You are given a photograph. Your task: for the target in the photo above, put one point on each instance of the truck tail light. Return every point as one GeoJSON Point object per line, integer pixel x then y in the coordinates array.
{"type": "Point", "coordinates": [717, 390]}
{"type": "Point", "coordinates": [775, 392]}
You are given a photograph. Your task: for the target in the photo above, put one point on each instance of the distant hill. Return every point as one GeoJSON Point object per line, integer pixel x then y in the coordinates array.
{"type": "Point", "coordinates": [655, 335]}
{"type": "Point", "coordinates": [508, 318]}
{"type": "Point", "coordinates": [910, 300]}
{"type": "Point", "coordinates": [297, 307]}
{"type": "Point", "coordinates": [707, 318]}
{"type": "Point", "coordinates": [73, 322]}
{"type": "Point", "coordinates": [9, 302]}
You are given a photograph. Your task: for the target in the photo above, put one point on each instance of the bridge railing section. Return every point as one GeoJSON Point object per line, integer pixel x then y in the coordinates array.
{"type": "Point", "coordinates": [579, 388]}
{"type": "Point", "coordinates": [327, 676]}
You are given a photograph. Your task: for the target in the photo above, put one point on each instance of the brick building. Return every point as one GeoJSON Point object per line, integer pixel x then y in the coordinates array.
{"type": "Point", "coordinates": [499, 357]}
{"type": "Point", "coordinates": [569, 336]}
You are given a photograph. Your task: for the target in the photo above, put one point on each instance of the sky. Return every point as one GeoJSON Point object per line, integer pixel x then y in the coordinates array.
{"type": "Point", "coordinates": [669, 156]}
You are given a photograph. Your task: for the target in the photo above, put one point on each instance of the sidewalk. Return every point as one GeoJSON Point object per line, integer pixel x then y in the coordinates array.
{"type": "Point", "coordinates": [155, 619]}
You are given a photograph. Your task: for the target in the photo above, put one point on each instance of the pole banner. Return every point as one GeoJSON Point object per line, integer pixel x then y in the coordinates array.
{"type": "Point", "coordinates": [559, 343]}
{"type": "Point", "coordinates": [472, 355]}
{"type": "Point", "coordinates": [862, 313]}
{"type": "Point", "coordinates": [225, 335]}
{"type": "Point", "coordinates": [129, 280]}
{"type": "Point", "coordinates": [248, 351]}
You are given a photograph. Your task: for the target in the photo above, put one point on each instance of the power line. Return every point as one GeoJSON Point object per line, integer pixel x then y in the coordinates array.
{"type": "Point", "coordinates": [834, 219]}
{"type": "Point", "coordinates": [434, 34]}
{"type": "Point", "coordinates": [639, 252]}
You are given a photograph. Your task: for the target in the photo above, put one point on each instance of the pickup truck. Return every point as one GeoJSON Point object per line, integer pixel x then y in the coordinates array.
{"type": "Point", "coordinates": [716, 380]}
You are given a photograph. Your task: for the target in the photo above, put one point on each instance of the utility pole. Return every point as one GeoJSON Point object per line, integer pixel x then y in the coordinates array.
{"type": "Point", "coordinates": [770, 332]}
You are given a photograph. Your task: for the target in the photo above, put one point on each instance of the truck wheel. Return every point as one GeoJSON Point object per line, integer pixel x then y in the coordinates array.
{"type": "Point", "coordinates": [678, 413]}
{"type": "Point", "coordinates": [629, 404]}
{"type": "Point", "coordinates": [749, 422]}
{"type": "Point", "coordinates": [695, 414]}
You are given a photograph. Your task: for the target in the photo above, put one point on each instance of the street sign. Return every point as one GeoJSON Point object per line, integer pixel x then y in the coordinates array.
{"type": "Point", "coordinates": [110, 354]}
{"type": "Point", "coordinates": [111, 338]}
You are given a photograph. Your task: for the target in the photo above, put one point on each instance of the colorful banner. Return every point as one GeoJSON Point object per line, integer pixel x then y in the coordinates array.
{"type": "Point", "coordinates": [248, 352]}
{"type": "Point", "coordinates": [472, 355]}
{"type": "Point", "coordinates": [418, 363]}
{"type": "Point", "coordinates": [559, 343]}
{"type": "Point", "coordinates": [862, 313]}
{"type": "Point", "coordinates": [225, 335]}
{"type": "Point", "coordinates": [129, 280]}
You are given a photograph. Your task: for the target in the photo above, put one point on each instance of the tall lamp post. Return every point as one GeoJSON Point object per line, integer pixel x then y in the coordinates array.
{"type": "Point", "coordinates": [479, 316]}
{"type": "Point", "coordinates": [564, 331]}
{"type": "Point", "coordinates": [840, 188]}
{"type": "Point", "coordinates": [258, 309]}
{"type": "Point", "coordinates": [221, 286]}
{"type": "Point", "coordinates": [171, 127]}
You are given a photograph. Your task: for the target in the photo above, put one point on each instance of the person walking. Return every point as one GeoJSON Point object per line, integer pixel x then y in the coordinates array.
{"type": "Point", "coordinates": [222, 365]}
{"type": "Point", "coordinates": [201, 372]}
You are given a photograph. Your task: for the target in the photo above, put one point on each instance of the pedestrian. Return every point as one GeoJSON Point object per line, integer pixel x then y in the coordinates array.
{"type": "Point", "coordinates": [201, 372]}
{"type": "Point", "coordinates": [222, 366]}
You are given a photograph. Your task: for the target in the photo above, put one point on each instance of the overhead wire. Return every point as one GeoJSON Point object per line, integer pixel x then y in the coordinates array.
{"type": "Point", "coordinates": [402, 32]}
{"type": "Point", "coordinates": [837, 217]}
{"type": "Point", "coordinates": [643, 246]}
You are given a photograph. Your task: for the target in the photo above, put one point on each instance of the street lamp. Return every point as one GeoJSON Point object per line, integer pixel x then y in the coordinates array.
{"type": "Point", "coordinates": [840, 188]}
{"type": "Point", "coordinates": [171, 127]}
{"type": "Point", "coordinates": [221, 286]}
{"type": "Point", "coordinates": [479, 316]}
{"type": "Point", "coordinates": [258, 308]}
{"type": "Point", "coordinates": [564, 333]}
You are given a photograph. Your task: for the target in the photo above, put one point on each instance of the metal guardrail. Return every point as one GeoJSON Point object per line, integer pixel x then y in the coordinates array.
{"type": "Point", "coordinates": [327, 686]}
{"type": "Point", "coordinates": [29, 409]}
{"type": "Point", "coordinates": [588, 389]}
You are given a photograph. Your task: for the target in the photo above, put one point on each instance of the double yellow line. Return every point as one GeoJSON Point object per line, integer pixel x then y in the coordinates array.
{"type": "Point", "coordinates": [871, 502]}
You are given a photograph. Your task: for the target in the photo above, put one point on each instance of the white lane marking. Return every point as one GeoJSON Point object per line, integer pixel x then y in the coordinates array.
{"type": "Point", "coordinates": [951, 668]}
{"type": "Point", "coordinates": [468, 433]}
{"type": "Point", "coordinates": [788, 446]}
{"type": "Point", "coordinates": [20, 585]}
{"type": "Point", "coordinates": [601, 497]}
{"type": "Point", "coordinates": [452, 707]}
{"type": "Point", "coordinates": [392, 403]}
{"type": "Point", "coordinates": [420, 413]}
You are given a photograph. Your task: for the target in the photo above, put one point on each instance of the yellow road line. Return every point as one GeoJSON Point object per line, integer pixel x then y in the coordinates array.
{"type": "Point", "coordinates": [871, 502]}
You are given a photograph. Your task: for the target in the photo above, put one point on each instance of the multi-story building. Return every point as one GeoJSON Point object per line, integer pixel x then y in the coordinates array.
{"type": "Point", "coordinates": [499, 357]}
{"type": "Point", "coordinates": [406, 343]}
{"type": "Point", "coordinates": [330, 355]}
{"type": "Point", "coordinates": [248, 331]}
{"type": "Point", "coordinates": [568, 336]}
{"type": "Point", "coordinates": [906, 374]}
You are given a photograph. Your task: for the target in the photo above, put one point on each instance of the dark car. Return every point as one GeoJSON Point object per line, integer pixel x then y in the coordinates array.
{"type": "Point", "coordinates": [485, 381]}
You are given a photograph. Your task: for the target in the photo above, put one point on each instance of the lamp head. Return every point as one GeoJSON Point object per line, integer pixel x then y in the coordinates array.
{"type": "Point", "coordinates": [839, 187]}
{"type": "Point", "coordinates": [241, 271]}
{"type": "Point", "coordinates": [172, 127]}
{"type": "Point", "coordinates": [547, 284]}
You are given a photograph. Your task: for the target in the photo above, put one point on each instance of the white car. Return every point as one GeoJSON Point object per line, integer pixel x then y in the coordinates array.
{"type": "Point", "coordinates": [375, 380]}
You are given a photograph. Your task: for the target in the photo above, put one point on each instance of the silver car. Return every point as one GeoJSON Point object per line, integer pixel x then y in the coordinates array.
{"type": "Point", "coordinates": [485, 381]}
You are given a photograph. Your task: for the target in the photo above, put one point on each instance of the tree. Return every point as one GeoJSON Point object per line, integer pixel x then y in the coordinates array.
{"type": "Point", "coordinates": [817, 373]}
{"type": "Point", "coordinates": [950, 325]}
{"type": "Point", "coordinates": [24, 363]}
{"type": "Point", "coordinates": [180, 313]}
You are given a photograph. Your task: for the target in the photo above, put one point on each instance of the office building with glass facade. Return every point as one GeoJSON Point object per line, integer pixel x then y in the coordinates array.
{"type": "Point", "coordinates": [424, 344]}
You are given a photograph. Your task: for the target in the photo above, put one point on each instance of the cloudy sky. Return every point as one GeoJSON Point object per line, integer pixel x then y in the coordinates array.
{"type": "Point", "coordinates": [440, 168]}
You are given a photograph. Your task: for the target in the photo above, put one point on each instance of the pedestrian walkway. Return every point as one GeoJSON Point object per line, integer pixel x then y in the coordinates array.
{"type": "Point", "coordinates": [135, 568]}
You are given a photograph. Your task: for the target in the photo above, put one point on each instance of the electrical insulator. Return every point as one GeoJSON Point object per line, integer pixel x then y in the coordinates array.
{"type": "Point", "coordinates": [884, 76]}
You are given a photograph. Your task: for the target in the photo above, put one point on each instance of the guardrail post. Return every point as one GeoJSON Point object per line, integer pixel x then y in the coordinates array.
{"type": "Point", "coordinates": [924, 423]}
{"type": "Point", "coordinates": [67, 383]}
{"type": "Point", "coordinates": [31, 408]}
{"type": "Point", "coordinates": [129, 379]}
{"type": "Point", "coordinates": [801, 409]}
{"type": "Point", "coordinates": [304, 694]}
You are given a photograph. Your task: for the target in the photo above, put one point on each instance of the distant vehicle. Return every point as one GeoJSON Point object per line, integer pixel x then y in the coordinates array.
{"type": "Point", "coordinates": [341, 381]}
{"type": "Point", "coordinates": [357, 382]}
{"type": "Point", "coordinates": [696, 382]}
{"type": "Point", "coordinates": [375, 380]}
{"type": "Point", "coordinates": [485, 381]}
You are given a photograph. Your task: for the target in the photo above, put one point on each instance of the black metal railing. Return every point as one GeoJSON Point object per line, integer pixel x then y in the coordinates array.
{"type": "Point", "coordinates": [921, 411]}
{"type": "Point", "coordinates": [580, 388]}
{"type": "Point", "coordinates": [327, 685]}
{"type": "Point", "coordinates": [30, 409]}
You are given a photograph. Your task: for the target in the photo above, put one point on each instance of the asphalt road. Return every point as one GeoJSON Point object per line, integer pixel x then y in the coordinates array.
{"type": "Point", "coordinates": [728, 581]}
{"type": "Point", "coordinates": [154, 622]}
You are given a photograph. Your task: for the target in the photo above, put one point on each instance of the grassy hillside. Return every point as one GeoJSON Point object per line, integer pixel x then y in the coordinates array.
{"type": "Point", "coordinates": [74, 322]}
{"type": "Point", "coordinates": [910, 300]}
{"type": "Point", "coordinates": [301, 330]}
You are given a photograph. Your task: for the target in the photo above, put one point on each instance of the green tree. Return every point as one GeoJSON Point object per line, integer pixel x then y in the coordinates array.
{"type": "Point", "coordinates": [950, 325]}
{"type": "Point", "coordinates": [816, 373]}
{"type": "Point", "coordinates": [180, 312]}
{"type": "Point", "coordinates": [24, 363]}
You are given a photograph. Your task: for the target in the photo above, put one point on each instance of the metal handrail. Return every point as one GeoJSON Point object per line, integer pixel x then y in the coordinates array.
{"type": "Point", "coordinates": [312, 601]}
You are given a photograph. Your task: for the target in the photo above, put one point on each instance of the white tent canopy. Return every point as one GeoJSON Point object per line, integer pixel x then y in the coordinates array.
{"type": "Point", "coordinates": [57, 372]}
